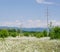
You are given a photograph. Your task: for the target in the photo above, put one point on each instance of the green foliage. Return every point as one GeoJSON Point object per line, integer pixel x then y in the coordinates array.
{"type": "Point", "coordinates": [34, 34]}
{"type": "Point", "coordinates": [4, 33]}
{"type": "Point", "coordinates": [55, 33]}
{"type": "Point", "coordinates": [26, 34]}
{"type": "Point", "coordinates": [44, 33]}
{"type": "Point", "coordinates": [52, 34]}
{"type": "Point", "coordinates": [38, 35]}
{"type": "Point", "coordinates": [8, 32]}
{"type": "Point", "coordinates": [11, 30]}
{"type": "Point", "coordinates": [18, 30]}
{"type": "Point", "coordinates": [13, 34]}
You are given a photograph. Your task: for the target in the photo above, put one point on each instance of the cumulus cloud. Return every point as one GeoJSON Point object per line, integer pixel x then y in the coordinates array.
{"type": "Point", "coordinates": [43, 2]}
{"type": "Point", "coordinates": [27, 24]}
{"type": "Point", "coordinates": [30, 23]}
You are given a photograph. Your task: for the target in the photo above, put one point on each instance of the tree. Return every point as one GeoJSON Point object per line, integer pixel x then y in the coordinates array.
{"type": "Point", "coordinates": [4, 33]}
{"type": "Point", "coordinates": [12, 30]}
{"type": "Point", "coordinates": [55, 33]}
{"type": "Point", "coordinates": [52, 33]}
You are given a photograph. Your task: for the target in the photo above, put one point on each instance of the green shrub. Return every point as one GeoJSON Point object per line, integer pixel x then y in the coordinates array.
{"type": "Point", "coordinates": [44, 33]}
{"type": "Point", "coordinates": [26, 34]}
{"type": "Point", "coordinates": [4, 33]}
{"type": "Point", "coordinates": [38, 35]}
{"type": "Point", "coordinates": [13, 34]}
{"type": "Point", "coordinates": [55, 33]}
{"type": "Point", "coordinates": [11, 30]}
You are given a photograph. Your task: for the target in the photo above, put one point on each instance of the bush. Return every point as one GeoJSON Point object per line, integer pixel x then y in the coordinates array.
{"type": "Point", "coordinates": [4, 33]}
{"type": "Point", "coordinates": [55, 33]}
{"type": "Point", "coordinates": [52, 34]}
{"type": "Point", "coordinates": [11, 30]}
{"type": "Point", "coordinates": [13, 34]}
{"type": "Point", "coordinates": [38, 35]}
{"type": "Point", "coordinates": [44, 33]}
{"type": "Point", "coordinates": [26, 33]}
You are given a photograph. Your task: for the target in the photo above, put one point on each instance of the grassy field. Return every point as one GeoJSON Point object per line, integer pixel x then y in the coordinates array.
{"type": "Point", "coordinates": [29, 44]}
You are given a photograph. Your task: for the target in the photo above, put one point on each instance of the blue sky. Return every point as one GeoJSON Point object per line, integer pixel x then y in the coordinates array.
{"type": "Point", "coordinates": [29, 13]}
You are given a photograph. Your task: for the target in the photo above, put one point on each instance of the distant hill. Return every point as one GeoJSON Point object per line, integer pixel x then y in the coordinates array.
{"type": "Point", "coordinates": [24, 29]}
{"type": "Point", "coordinates": [33, 29]}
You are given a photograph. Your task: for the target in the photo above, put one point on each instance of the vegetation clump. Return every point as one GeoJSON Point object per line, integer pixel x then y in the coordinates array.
{"type": "Point", "coordinates": [54, 33]}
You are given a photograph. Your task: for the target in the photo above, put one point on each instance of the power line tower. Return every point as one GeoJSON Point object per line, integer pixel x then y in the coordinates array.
{"type": "Point", "coordinates": [47, 23]}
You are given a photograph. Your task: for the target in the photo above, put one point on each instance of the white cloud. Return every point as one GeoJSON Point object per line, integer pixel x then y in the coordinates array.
{"type": "Point", "coordinates": [30, 23]}
{"type": "Point", "coordinates": [43, 2]}
{"type": "Point", "coordinates": [11, 24]}
{"type": "Point", "coordinates": [40, 1]}
{"type": "Point", "coordinates": [55, 23]}
{"type": "Point", "coordinates": [34, 23]}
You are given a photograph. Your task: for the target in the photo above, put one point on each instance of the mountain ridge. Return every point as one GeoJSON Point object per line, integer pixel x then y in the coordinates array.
{"type": "Point", "coordinates": [24, 29]}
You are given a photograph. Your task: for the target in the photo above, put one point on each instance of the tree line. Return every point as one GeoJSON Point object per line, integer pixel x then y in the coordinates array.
{"type": "Point", "coordinates": [54, 33]}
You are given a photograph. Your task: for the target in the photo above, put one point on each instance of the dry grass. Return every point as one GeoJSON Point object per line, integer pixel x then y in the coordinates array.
{"type": "Point", "coordinates": [29, 44]}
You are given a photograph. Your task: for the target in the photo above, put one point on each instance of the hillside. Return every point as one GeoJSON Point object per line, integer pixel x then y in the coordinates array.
{"type": "Point", "coordinates": [24, 29]}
